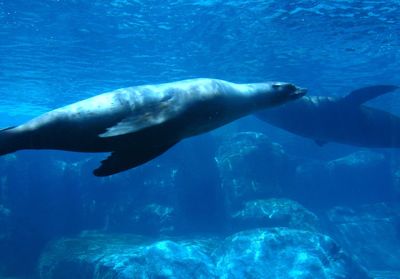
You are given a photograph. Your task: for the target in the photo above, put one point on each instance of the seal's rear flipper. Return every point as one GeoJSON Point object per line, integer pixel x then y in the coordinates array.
{"type": "Point", "coordinates": [362, 95]}
{"type": "Point", "coordinates": [124, 159]}
{"type": "Point", "coordinates": [8, 142]}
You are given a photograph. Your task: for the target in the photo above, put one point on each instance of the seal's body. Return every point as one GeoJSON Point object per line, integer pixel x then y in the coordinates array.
{"type": "Point", "coordinates": [139, 123]}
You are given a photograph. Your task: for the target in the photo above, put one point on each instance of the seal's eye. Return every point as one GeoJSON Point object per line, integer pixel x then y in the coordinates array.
{"type": "Point", "coordinates": [276, 85]}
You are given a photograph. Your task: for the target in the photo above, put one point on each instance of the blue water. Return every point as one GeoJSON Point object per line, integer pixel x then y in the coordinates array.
{"type": "Point", "coordinates": [56, 52]}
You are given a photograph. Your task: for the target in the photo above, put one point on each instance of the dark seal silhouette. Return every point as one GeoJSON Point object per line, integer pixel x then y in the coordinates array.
{"type": "Point", "coordinates": [139, 123]}
{"type": "Point", "coordinates": [343, 120]}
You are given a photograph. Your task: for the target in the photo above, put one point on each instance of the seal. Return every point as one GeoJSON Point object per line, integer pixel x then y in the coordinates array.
{"type": "Point", "coordinates": [139, 123]}
{"type": "Point", "coordinates": [343, 120]}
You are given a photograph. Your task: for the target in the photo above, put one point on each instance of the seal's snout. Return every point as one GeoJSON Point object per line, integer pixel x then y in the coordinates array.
{"type": "Point", "coordinates": [300, 92]}
{"type": "Point", "coordinates": [289, 89]}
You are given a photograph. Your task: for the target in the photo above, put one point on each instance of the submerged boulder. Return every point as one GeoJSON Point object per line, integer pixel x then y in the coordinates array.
{"type": "Point", "coordinates": [252, 167]}
{"type": "Point", "coordinates": [263, 253]}
{"type": "Point", "coordinates": [284, 253]}
{"type": "Point", "coordinates": [370, 232]}
{"type": "Point", "coordinates": [274, 213]}
{"type": "Point", "coordinates": [125, 256]}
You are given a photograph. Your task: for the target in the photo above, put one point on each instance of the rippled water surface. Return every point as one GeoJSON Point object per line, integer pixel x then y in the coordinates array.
{"type": "Point", "coordinates": [56, 52]}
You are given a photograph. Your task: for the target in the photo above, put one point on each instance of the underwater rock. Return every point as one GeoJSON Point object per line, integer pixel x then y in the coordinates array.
{"type": "Point", "coordinates": [370, 232]}
{"type": "Point", "coordinates": [284, 253]}
{"type": "Point", "coordinates": [263, 253]}
{"type": "Point", "coordinates": [125, 256]}
{"type": "Point", "coordinates": [274, 213]}
{"type": "Point", "coordinates": [344, 180]}
{"type": "Point", "coordinates": [252, 167]}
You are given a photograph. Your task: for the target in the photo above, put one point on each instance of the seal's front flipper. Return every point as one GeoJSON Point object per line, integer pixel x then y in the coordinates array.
{"type": "Point", "coordinates": [124, 159]}
{"type": "Point", "coordinates": [145, 115]}
{"type": "Point", "coordinates": [362, 95]}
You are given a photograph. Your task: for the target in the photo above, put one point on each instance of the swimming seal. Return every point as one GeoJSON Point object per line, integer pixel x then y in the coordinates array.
{"type": "Point", "coordinates": [343, 120]}
{"type": "Point", "coordinates": [139, 123]}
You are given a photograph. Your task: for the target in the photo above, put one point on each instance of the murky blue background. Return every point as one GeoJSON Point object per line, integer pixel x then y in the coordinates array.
{"type": "Point", "coordinates": [53, 53]}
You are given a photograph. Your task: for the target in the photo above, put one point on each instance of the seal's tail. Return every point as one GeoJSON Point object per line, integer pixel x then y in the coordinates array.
{"type": "Point", "coordinates": [7, 141]}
